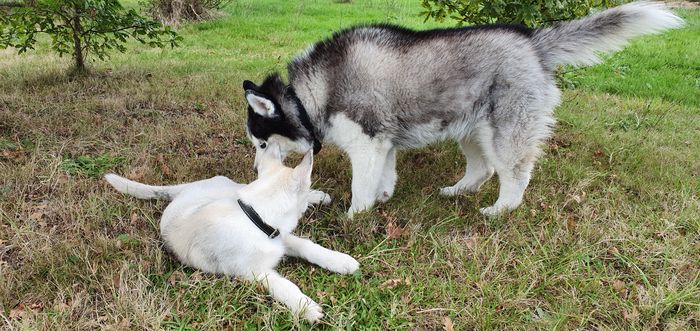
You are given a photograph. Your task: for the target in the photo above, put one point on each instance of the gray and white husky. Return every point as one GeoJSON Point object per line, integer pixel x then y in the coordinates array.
{"type": "Point", "coordinates": [372, 90]}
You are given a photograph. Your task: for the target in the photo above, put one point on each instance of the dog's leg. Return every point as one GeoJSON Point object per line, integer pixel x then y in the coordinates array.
{"type": "Point", "coordinates": [367, 166]}
{"type": "Point", "coordinates": [477, 173]}
{"type": "Point", "coordinates": [320, 256]}
{"type": "Point", "coordinates": [290, 295]}
{"type": "Point", "coordinates": [388, 181]}
{"type": "Point", "coordinates": [513, 160]}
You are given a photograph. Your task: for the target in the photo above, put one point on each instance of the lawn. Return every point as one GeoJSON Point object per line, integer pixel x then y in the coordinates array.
{"type": "Point", "coordinates": [608, 236]}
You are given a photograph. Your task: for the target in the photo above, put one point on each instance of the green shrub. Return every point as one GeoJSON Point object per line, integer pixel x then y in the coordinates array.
{"type": "Point", "coordinates": [80, 28]}
{"type": "Point", "coordinates": [175, 11]}
{"type": "Point", "coordinates": [529, 13]}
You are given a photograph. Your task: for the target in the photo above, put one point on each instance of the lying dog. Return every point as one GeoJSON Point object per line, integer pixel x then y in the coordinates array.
{"type": "Point", "coordinates": [219, 226]}
{"type": "Point", "coordinates": [373, 90]}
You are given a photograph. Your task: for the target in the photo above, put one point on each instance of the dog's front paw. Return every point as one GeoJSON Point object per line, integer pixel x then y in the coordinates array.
{"type": "Point", "coordinates": [449, 191]}
{"type": "Point", "coordinates": [341, 263]}
{"type": "Point", "coordinates": [312, 311]}
{"type": "Point", "coordinates": [319, 197]}
{"type": "Point", "coordinates": [495, 210]}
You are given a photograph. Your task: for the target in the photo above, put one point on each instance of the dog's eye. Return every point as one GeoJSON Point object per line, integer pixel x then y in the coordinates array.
{"type": "Point", "coordinates": [263, 145]}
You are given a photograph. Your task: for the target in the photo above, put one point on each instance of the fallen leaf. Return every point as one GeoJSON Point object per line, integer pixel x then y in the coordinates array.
{"type": "Point", "coordinates": [137, 174]}
{"type": "Point", "coordinates": [471, 243]}
{"type": "Point", "coordinates": [632, 316]}
{"type": "Point", "coordinates": [36, 306]}
{"type": "Point", "coordinates": [579, 197]}
{"type": "Point", "coordinates": [394, 232]}
{"type": "Point", "coordinates": [571, 223]}
{"type": "Point", "coordinates": [175, 277]}
{"type": "Point", "coordinates": [36, 216]}
{"type": "Point", "coordinates": [17, 312]}
{"type": "Point", "coordinates": [391, 283]}
{"type": "Point", "coordinates": [163, 166]}
{"type": "Point", "coordinates": [447, 324]}
{"type": "Point", "coordinates": [117, 281]}
{"type": "Point", "coordinates": [618, 285]}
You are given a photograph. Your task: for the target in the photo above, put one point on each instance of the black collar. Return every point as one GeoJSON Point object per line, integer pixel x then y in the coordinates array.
{"type": "Point", "coordinates": [305, 119]}
{"type": "Point", "coordinates": [271, 232]}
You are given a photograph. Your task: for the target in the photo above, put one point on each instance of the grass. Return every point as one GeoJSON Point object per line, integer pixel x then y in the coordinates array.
{"type": "Point", "coordinates": [607, 237]}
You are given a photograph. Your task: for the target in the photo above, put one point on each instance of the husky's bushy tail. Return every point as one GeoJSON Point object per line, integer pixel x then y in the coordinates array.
{"type": "Point", "coordinates": [579, 42]}
{"type": "Point", "coordinates": [143, 191]}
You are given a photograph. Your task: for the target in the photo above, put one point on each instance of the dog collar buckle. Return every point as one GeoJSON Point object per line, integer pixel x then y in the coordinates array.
{"type": "Point", "coordinates": [274, 234]}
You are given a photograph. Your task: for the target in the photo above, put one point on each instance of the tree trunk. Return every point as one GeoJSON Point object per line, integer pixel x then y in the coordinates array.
{"type": "Point", "coordinates": [77, 43]}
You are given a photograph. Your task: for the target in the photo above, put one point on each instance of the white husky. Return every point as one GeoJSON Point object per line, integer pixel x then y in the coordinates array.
{"type": "Point", "coordinates": [219, 226]}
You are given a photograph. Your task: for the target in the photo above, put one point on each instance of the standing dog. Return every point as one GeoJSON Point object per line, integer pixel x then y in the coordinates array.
{"type": "Point", "coordinates": [372, 90]}
{"type": "Point", "coordinates": [219, 226]}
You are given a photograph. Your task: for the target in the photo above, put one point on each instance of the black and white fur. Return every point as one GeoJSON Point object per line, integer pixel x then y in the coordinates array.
{"type": "Point", "coordinates": [372, 90]}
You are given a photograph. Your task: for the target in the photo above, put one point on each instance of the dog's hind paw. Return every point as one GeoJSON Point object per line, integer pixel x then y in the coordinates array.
{"type": "Point", "coordinates": [319, 197]}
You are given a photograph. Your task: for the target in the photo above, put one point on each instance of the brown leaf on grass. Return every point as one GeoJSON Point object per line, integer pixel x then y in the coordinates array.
{"type": "Point", "coordinates": [117, 281]}
{"type": "Point", "coordinates": [12, 155]}
{"type": "Point", "coordinates": [134, 218]}
{"type": "Point", "coordinates": [618, 285]}
{"type": "Point", "coordinates": [471, 243]}
{"type": "Point", "coordinates": [38, 211]}
{"type": "Point", "coordinates": [36, 216]}
{"type": "Point", "coordinates": [175, 277]}
{"type": "Point", "coordinates": [571, 223]}
{"type": "Point", "coordinates": [391, 283]}
{"type": "Point", "coordinates": [163, 166]}
{"type": "Point", "coordinates": [21, 309]}
{"type": "Point", "coordinates": [447, 324]}
{"type": "Point", "coordinates": [17, 312]}
{"type": "Point", "coordinates": [632, 316]}
{"type": "Point", "coordinates": [137, 174]}
{"type": "Point", "coordinates": [579, 197]}
{"type": "Point", "coordinates": [394, 232]}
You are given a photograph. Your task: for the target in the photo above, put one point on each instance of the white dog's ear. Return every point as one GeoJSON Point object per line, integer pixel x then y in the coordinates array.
{"type": "Point", "coordinates": [302, 172]}
{"type": "Point", "coordinates": [261, 105]}
{"type": "Point", "coordinates": [270, 158]}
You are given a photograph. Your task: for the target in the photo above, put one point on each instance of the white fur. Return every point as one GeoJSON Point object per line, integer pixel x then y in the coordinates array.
{"type": "Point", "coordinates": [373, 162]}
{"type": "Point", "coordinates": [205, 227]}
{"type": "Point", "coordinates": [648, 18]}
{"type": "Point", "coordinates": [261, 105]}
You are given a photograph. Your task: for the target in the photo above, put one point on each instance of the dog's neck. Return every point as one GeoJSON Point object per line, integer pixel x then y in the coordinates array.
{"type": "Point", "coordinates": [306, 120]}
{"type": "Point", "coordinates": [282, 216]}
{"type": "Point", "coordinates": [313, 102]}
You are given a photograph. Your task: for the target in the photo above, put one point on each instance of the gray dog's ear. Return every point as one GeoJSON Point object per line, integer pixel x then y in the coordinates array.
{"type": "Point", "coordinates": [248, 85]}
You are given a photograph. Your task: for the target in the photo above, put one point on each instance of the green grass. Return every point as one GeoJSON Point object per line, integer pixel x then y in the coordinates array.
{"type": "Point", "coordinates": [607, 237]}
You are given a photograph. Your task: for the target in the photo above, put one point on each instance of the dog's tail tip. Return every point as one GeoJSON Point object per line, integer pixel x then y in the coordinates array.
{"type": "Point", "coordinates": [136, 189]}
